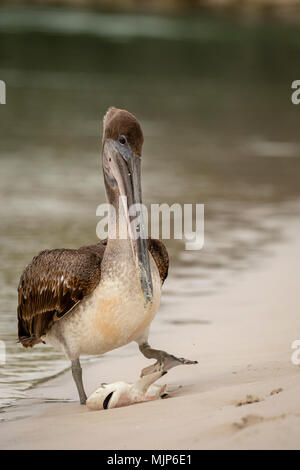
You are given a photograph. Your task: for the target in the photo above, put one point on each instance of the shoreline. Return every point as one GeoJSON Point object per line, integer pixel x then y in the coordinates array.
{"type": "Point", "coordinates": [243, 394]}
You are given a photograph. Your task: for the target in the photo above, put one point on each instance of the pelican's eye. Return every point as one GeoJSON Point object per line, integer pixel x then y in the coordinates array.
{"type": "Point", "coordinates": [122, 139]}
{"type": "Point", "coordinates": [107, 400]}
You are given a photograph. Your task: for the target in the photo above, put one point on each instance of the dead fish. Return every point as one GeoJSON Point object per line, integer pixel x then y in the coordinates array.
{"type": "Point", "coordinates": [119, 394]}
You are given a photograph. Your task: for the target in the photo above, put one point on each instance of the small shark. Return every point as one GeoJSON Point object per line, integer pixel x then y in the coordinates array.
{"type": "Point", "coordinates": [119, 394]}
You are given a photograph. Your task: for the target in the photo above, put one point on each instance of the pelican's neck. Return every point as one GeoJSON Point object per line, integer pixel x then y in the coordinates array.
{"type": "Point", "coordinates": [120, 246]}
{"type": "Point", "coordinates": [124, 253]}
{"type": "Point", "coordinates": [120, 253]}
{"type": "Point", "coordinates": [118, 225]}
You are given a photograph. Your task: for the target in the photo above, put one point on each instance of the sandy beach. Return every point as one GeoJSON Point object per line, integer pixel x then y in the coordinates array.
{"type": "Point", "coordinates": [243, 394]}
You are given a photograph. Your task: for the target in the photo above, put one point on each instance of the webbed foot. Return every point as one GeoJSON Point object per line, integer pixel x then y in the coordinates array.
{"type": "Point", "coordinates": [164, 361]}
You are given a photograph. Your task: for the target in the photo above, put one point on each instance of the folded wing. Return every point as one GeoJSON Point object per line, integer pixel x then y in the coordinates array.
{"type": "Point", "coordinates": [51, 286]}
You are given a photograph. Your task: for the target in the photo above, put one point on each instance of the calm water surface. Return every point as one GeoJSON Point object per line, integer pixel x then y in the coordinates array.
{"type": "Point", "coordinates": [213, 96]}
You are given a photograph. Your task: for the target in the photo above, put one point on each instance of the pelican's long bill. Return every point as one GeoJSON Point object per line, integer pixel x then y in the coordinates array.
{"type": "Point", "coordinates": [122, 170]}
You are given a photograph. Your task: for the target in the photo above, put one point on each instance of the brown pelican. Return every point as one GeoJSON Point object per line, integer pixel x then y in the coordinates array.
{"type": "Point", "coordinates": [100, 297]}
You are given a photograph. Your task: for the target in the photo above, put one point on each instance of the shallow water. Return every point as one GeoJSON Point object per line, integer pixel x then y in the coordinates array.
{"type": "Point", "coordinates": [213, 96]}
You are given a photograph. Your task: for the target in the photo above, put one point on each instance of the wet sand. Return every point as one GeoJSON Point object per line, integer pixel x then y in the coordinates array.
{"type": "Point", "coordinates": [243, 394]}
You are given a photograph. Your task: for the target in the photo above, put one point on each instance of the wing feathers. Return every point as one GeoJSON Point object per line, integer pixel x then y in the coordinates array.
{"type": "Point", "coordinates": [160, 256]}
{"type": "Point", "coordinates": [51, 285]}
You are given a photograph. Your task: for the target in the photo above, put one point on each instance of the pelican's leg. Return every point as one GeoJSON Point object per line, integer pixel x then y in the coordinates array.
{"type": "Point", "coordinates": [164, 361]}
{"type": "Point", "coordinates": [77, 376]}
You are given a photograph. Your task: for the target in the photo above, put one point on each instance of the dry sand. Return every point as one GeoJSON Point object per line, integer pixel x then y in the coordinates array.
{"type": "Point", "coordinates": [243, 394]}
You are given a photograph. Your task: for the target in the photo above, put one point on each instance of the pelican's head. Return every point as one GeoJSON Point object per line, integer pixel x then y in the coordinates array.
{"type": "Point", "coordinates": [121, 162]}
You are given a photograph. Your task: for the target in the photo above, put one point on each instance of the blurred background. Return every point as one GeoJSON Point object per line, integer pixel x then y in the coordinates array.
{"type": "Point", "coordinates": [212, 89]}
